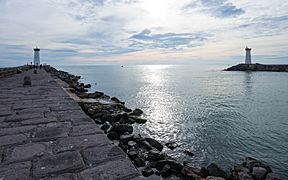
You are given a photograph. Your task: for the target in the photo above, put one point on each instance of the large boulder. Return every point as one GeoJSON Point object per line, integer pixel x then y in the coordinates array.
{"type": "Point", "coordinates": [136, 112]}
{"type": "Point", "coordinates": [259, 173]}
{"type": "Point", "coordinates": [215, 170]}
{"type": "Point", "coordinates": [122, 128]}
{"type": "Point", "coordinates": [272, 176]}
{"type": "Point", "coordinates": [147, 171]}
{"type": "Point", "coordinates": [154, 143]}
{"type": "Point", "coordinates": [138, 119]}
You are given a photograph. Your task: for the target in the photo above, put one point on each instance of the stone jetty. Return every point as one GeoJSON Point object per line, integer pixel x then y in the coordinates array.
{"type": "Point", "coordinates": [259, 67]}
{"type": "Point", "coordinates": [44, 134]}
{"type": "Point", "coordinates": [54, 128]}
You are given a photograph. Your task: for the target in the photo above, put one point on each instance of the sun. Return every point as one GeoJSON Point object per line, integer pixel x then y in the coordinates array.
{"type": "Point", "coordinates": [157, 9]}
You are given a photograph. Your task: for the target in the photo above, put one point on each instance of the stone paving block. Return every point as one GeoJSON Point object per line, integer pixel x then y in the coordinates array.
{"type": "Point", "coordinates": [85, 130]}
{"type": "Point", "coordinates": [49, 133]}
{"type": "Point", "coordinates": [66, 162]}
{"type": "Point", "coordinates": [120, 169]}
{"type": "Point", "coordinates": [25, 152]}
{"type": "Point", "coordinates": [15, 171]}
{"type": "Point", "coordinates": [81, 142]}
{"type": "Point", "coordinates": [12, 139]}
{"type": "Point", "coordinates": [66, 176]}
{"type": "Point", "coordinates": [66, 108]}
{"type": "Point", "coordinates": [33, 110]}
{"type": "Point", "coordinates": [21, 106]}
{"type": "Point", "coordinates": [21, 117]}
{"type": "Point", "coordinates": [16, 130]}
{"type": "Point", "coordinates": [39, 121]}
{"type": "Point", "coordinates": [6, 113]}
{"type": "Point", "coordinates": [97, 155]}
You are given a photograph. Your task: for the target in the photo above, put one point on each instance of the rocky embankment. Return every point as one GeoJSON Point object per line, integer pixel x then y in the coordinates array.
{"type": "Point", "coordinates": [116, 120]}
{"type": "Point", "coordinates": [259, 67]}
{"type": "Point", "coordinates": [4, 72]}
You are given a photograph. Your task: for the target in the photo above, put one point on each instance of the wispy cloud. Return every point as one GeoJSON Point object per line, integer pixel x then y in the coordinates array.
{"type": "Point", "coordinates": [147, 40]}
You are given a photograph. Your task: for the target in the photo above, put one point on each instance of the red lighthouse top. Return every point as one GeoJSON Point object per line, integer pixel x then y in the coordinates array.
{"type": "Point", "coordinates": [248, 49]}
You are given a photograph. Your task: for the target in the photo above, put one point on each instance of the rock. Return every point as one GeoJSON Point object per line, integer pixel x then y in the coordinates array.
{"type": "Point", "coordinates": [189, 153]}
{"type": "Point", "coordinates": [123, 147]}
{"type": "Point", "coordinates": [112, 135]}
{"type": "Point", "coordinates": [122, 128]}
{"type": "Point", "coordinates": [191, 172]}
{"type": "Point", "coordinates": [136, 112]}
{"type": "Point", "coordinates": [127, 121]}
{"type": "Point", "coordinates": [132, 144]}
{"type": "Point", "coordinates": [272, 176]}
{"type": "Point", "coordinates": [259, 173]}
{"type": "Point", "coordinates": [173, 164]}
{"type": "Point", "coordinates": [123, 116]}
{"type": "Point", "coordinates": [139, 162]}
{"type": "Point", "coordinates": [147, 171]}
{"type": "Point", "coordinates": [244, 176]}
{"type": "Point", "coordinates": [154, 155]}
{"type": "Point", "coordinates": [126, 138]}
{"type": "Point", "coordinates": [117, 100]}
{"type": "Point", "coordinates": [109, 118]}
{"type": "Point", "coordinates": [138, 119]}
{"type": "Point", "coordinates": [144, 144]}
{"type": "Point", "coordinates": [215, 170]}
{"type": "Point", "coordinates": [204, 172]}
{"type": "Point", "coordinates": [214, 178]}
{"type": "Point", "coordinates": [251, 162]}
{"type": "Point", "coordinates": [166, 171]}
{"type": "Point", "coordinates": [106, 126]}
{"type": "Point", "coordinates": [154, 143]}
{"type": "Point", "coordinates": [138, 138]}
{"type": "Point", "coordinates": [172, 145]}
{"type": "Point", "coordinates": [132, 154]}
{"type": "Point", "coordinates": [87, 86]}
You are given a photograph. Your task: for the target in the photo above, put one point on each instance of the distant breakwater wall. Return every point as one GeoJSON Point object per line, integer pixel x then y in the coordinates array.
{"type": "Point", "coordinates": [116, 120]}
{"type": "Point", "coordinates": [259, 67]}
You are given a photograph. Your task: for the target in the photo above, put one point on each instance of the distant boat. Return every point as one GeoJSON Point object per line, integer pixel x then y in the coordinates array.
{"type": "Point", "coordinates": [122, 66]}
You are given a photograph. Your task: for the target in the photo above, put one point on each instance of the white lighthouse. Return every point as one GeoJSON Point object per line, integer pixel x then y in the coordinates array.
{"type": "Point", "coordinates": [248, 55]}
{"type": "Point", "coordinates": [36, 56]}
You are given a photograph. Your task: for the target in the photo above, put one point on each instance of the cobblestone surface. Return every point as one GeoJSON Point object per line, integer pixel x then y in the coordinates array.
{"type": "Point", "coordinates": [44, 134]}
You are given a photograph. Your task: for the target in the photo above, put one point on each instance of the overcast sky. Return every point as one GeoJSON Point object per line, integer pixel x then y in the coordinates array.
{"type": "Point", "coordinates": [143, 31]}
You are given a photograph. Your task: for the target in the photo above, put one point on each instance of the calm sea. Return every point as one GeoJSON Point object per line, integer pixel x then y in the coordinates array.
{"type": "Point", "coordinates": [219, 116]}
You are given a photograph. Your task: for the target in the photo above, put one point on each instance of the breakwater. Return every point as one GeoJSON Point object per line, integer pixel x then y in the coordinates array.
{"type": "Point", "coordinates": [259, 67]}
{"type": "Point", "coordinates": [107, 98]}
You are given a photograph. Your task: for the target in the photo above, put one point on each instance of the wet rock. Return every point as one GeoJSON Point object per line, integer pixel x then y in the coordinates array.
{"type": "Point", "coordinates": [123, 116]}
{"type": "Point", "coordinates": [188, 152]}
{"type": "Point", "coordinates": [251, 162]}
{"type": "Point", "coordinates": [123, 147]}
{"type": "Point", "coordinates": [147, 171]}
{"type": "Point", "coordinates": [172, 145]}
{"type": "Point", "coordinates": [191, 172]}
{"type": "Point", "coordinates": [259, 173]}
{"type": "Point", "coordinates": [154, 143]}
{"type": "Point", "coordinates": [173, 164]}
{"type": "Point", "coordinates": [136, 112]}
{"type": "Point", "coordinates": [138, 119]}
{"type": "Point", "coordinates": [214, 178]}
{"type": "Point", "coordinates": [126, 138]}
{"type": "Point", "coordinates": [138, 138]}
{"type": "Point", "coordinates": [204, 172]}
{"type": "Point", "coordinates": [154, 155]}
{"type": "Point", "coordinates": [144, 144]}
{"type": "Point", "coordinates": [117, 100]}
{"type": "Point", "coordinates": [132, 144]}
{"type": "Point", "coordinates": [132, 154]}
{"type": "Point", "coordinates": [112, 135]}
{"type": "Point", "coordinates": [87, 86]}
{"type": "Point", "coordinates": [98, 121]}
{"type": "Point", "coordinates": [215, 170]}
{"type": "Point", "coordinates": [272, 176]}
{"type": "Point", "coordinates": [139, 162]}
{"type": "Point", "coordinates": [166, 171]}
{"type": "Point", "coordinates": [109, 118]}
{"type": "Point", "coordinates": [106, 126]}
{"type": "Point", "coordinates": [122, 128]}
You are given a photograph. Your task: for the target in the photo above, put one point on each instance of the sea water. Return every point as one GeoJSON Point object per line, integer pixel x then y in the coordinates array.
{"type": "Point", "coordinates": [220, 116]}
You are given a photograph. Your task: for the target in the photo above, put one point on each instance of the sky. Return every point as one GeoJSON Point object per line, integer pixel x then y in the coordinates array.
{"type": "Point", "coordinates": [72, 32]}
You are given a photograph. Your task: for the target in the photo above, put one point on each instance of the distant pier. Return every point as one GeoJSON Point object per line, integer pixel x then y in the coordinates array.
{"type": "Point", "coordinates": [259, 67]}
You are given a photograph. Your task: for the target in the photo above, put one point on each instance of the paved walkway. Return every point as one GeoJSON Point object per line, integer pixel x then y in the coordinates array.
{"type": "Point", "coordinates": [44, 134]}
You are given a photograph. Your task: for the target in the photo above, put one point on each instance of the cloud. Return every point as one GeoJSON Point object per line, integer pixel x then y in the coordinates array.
{"type": "Point", "coordinates": [147, 40]}
{"type": "Point", "coordinates": [217, 8]}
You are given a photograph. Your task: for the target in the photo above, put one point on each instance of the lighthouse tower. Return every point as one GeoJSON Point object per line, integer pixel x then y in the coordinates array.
{"type": "Point", "coordinates": [248, 55]}
{"type": "Point", "coordinates": [36, 56]}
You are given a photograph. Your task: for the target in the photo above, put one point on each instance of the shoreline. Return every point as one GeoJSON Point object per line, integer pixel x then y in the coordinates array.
{"type": "Point", "coordinates": [115, 120]}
